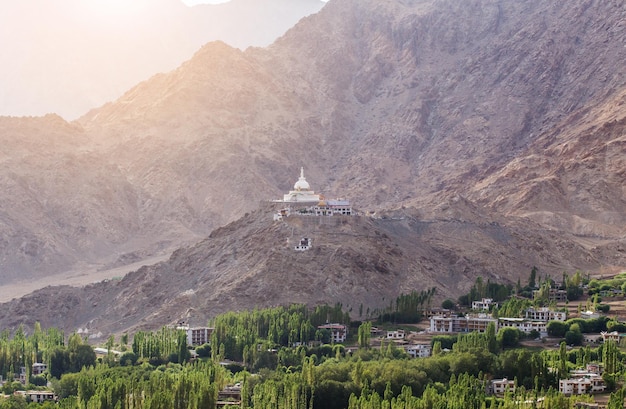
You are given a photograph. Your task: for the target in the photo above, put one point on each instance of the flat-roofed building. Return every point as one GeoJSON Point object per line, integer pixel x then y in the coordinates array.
{"type": "Point", "coordinates": [40, 396]}
{"type": "Point", "coordinates": [591, 383]}
{"type": "Point", "coordinates": [483, 305]}
{"type": "Point", "coordinates": [418, 351]}
{"type": "Point", "coordinates": [545, 314]}
{"type": "Point", "coordinates": [454, 324]}
{"type": "Point", "coordinates": [500, 386]}
{"type": "Point", "coordinates": [338, 332]}
{"type": "Point", "coordinates": [397, 334]}
{"type": "Point", "coordinates": [198, 335]}
{"type": "Point", "coordinates": [524, 325]}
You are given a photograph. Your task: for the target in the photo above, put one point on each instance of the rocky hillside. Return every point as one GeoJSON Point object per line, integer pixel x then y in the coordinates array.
{"type": "Point", "coordinates": [510, 110]}
{"type": "Point", "coordinates": [358, 260]}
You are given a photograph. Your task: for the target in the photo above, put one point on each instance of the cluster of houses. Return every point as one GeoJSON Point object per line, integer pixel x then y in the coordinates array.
{"type": "Point", "coordinates": [585, 381]}
{"type": "Point", "coordinates": [581, 382]}
{"type": "Point", "coordinates": [339, 332]}
{"type": "Point", "coordinates": [535, 319]}
{"type": "Point", "coordinates": [37, 369]}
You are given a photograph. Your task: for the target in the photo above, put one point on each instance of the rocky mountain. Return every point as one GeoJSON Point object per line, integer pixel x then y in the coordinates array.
{"type": "Point", "coordinates": [357, 261]}
{"type": "Point", "coordinates": [70, 56]}
{"type": "Point", "coordinates": [502, 121]}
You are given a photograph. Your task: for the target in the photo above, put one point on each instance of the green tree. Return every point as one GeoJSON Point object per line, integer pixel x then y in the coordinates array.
{"type": "Point", "coordinates": [364, 334]}
{"type": "Point", "coordinates": [557, 328]}
{"type": "Point", "coordinates": [448, 304]}
{"type": "Point", "coordinates": [508, 337]}
{"type": "Point", "coordinates": [532, 279]}
{"type": "Point", "coordinates": [82, 356]}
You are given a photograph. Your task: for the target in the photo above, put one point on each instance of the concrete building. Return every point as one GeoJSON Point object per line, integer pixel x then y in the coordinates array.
{"type": "Point", "coordinates": [397, 334]}
{"type": "Point", "coordinates": [524, 325]}
{"type": "Point", "coordinates": [500, 386]}
{"type": "Point", "coordinates": [590, 383]}
{"type": "Point", "coordinates": [338, 332]}
{"type": "Point", "coordinates": [545, 314]}
{"type": "Point", "coordinates": [483, 305]}
{"type": "Point", "coordinates": [553, 295]}
{"type": "Point", "coordinates": [454, 324]}
{"type": "Point", "coordinates": [333, 207]}
{"type": "Point", "coordinates": [304, 244]}
{"type": "Point", "coordinates": [40, 396]}
{"type": "Point", "coordinates": [610, 336]}
{"type": "Point", "coordinates": [198, 335]}
{"type": "Point", "coordinates": [418, 351]}
{"type": "Point", "coordinates": [589, 315]}
{"type": "Point", "coordinates": [38, 368]}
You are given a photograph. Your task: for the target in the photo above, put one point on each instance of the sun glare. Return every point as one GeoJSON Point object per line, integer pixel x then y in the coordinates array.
{"type": "Point", "coordinates": [116, 8]}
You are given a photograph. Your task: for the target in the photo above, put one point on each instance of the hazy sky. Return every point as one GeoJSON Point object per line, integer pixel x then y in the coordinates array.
{"type": "Point", "coordinates": [194, 2]}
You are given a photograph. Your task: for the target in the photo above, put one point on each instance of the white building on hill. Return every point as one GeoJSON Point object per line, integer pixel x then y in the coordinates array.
{"type": "Point", "coordinates": [301, 192]}
{"type": "Point", "coordinates": [308, 203]}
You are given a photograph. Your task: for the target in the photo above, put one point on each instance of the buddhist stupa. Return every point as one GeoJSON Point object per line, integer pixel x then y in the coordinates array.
{"type": "Point", "coordinates": [301, 192]}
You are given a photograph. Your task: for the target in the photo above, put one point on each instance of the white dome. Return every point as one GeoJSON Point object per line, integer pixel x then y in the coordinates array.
{"type": "Point", "coordinates": [301, 184]}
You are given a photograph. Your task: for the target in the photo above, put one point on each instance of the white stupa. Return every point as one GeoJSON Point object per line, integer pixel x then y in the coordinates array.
{"type": "Point", "coordinates": [301, 192]}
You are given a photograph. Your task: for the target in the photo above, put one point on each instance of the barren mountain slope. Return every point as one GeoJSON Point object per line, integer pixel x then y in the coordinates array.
{"type": "Point", "coordinates": [386, 103]}
{"type": "Point", "coordinates": [573, 176]}
{"type": "Point", "coordinates": [354, 260]}
{"type": "Point", "coordinates": [64, 205]}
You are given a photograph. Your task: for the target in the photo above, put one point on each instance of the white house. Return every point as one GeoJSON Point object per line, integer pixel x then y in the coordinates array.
{"type": "Point", "coordinates": [304, 244]}
{"type": "Point", "coordinates": [419, 351]}
{"type": "Point", "coordinates": [40, 396]}
{"type": "Point", "coordinates": [338, 332]}
{"type": "Point", "coordinates": [483, 305]}
{"type": "Point", "coordinates": [610, 336]}
{"type": "Point", "coordinates": [501, 386]}
{"type": "Point", "coordinates": [466, 323]}
{"type": "Point", "coordinates": [545, 314]}
{"type": "Point", "coordinates": [590, 383]}
{"type": "Point", "coordinates": [524, 325]}
{"type": "Point", "coordinates": [398, 334]}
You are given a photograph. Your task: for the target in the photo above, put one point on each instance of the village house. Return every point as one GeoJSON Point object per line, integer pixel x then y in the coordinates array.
{"type": "Point", "coordinates": [589, 315]}
{"type": "Point", "coordinates": [545, 314]}
{"type": "Point", "coordinates": [338, 332]}
{"type": "Point", "coordinates": [589, 383]}
{"type": "Point", "coordinates": [38, 368]}
{"type": "Point", "coordinates": [419, 350]}
{"type": "Point", "coordinates": [500, 386]}
{"type": "Point", "coordinates": [40, 396]}
{"type": "Point", "coordinates": [591, 368]}
{"type": "Point", "coordinates": [397, 334]}
{"type": "Point", "coordinates": [199, 335]}
{"type": "Point", "coordinates": [553, 295]}
{"type": "Point", "coordinates": [435, 311]}
{"type": "Point", "coordinates": [304, 244]}
{"type": "Point", "coordinates": [229, 396]}
{"type": "Point", "coordinates": [483, 305]}
{"type": "Point", "coordinates": [610, 336]}
{"type": "Point", "coordinates": [524, 325]}
{"type": "Point", "coordinates": [454, 324]}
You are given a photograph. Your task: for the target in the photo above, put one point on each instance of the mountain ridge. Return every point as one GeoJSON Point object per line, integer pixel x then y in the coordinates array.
{"type": "Point", "coordinates": [484, 111]}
